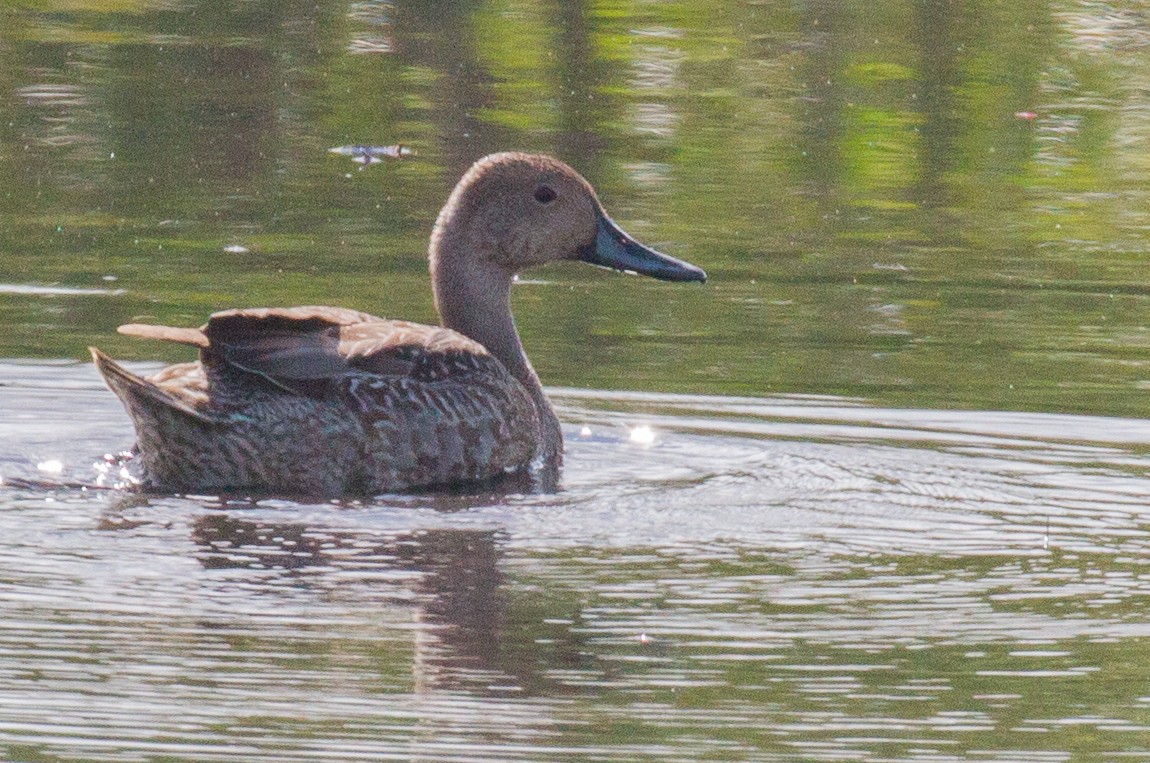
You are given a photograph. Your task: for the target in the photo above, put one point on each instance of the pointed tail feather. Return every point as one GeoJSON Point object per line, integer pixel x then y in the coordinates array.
{"type": "Point", "coordinates": [194, 337]}
{"type": "Point", "coordinates": [140, 396]}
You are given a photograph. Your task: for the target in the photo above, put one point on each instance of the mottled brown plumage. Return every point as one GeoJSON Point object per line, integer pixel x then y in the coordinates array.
{"type": "Point", "coordinates": [328, 401]}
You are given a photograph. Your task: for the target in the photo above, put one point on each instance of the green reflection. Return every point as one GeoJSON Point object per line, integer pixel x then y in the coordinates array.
{"type": "Point", "coordinates": [921, 203]}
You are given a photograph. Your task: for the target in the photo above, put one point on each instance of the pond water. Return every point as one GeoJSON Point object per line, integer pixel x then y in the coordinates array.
{"type": "Point", "coordinates": [877, 491]}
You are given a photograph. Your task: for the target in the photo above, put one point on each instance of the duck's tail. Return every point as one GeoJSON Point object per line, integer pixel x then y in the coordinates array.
{"type": "Point", "coordinates": [147, 403]}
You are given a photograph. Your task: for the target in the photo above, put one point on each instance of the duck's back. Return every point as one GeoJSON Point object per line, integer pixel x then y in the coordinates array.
{"type": "Point", "coordinates": [324, 401]}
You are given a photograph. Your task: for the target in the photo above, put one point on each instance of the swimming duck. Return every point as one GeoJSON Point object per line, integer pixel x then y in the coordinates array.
{"type": "Point", "coordinates": [329, 401]}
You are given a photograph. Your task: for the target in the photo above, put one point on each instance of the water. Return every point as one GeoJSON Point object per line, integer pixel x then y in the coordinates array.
{"type": "Point", "coordinates": [875, 492]}
{"type": "Point", "coordinates": [770, 578]}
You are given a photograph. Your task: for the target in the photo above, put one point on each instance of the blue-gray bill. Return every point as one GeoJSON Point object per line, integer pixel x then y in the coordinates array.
{"type": "Point", "coordinates": [615, 249]}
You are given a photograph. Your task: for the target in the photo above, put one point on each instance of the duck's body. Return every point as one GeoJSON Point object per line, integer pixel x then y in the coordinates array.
{"type": "Point", "coordinates": [359, 405]}
{"type": "Point", "coordinates": [327, 401]}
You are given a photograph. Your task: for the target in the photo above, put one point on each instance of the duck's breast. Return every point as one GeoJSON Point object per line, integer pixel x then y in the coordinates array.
{"type": "Point", "coordinates": [454, 416]}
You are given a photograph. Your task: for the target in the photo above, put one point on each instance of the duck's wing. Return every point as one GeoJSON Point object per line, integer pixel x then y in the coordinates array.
{"type": "Point", "coordinates": [403, 348]}
{"type": "Point", "coordinates": [302, 349]}
{"type": "Point", "coordinates": [294, 348]}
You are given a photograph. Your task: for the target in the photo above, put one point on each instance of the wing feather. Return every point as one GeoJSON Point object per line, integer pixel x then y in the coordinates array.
{"type": "Point", "coordinates": [303, 350]}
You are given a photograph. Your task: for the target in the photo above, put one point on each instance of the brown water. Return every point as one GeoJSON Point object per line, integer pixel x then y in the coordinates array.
{"type": "Point", "coordinates": [876, 492]}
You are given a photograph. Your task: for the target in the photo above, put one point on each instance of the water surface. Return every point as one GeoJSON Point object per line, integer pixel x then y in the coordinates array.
{"type": "Point", "coordinates": [875, 492]}
{"type": "Point", "coordinates": [780, 578]}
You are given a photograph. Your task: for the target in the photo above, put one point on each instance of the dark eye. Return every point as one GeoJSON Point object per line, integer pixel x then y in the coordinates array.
{"type": "Point", "coordinates": [545, 194]}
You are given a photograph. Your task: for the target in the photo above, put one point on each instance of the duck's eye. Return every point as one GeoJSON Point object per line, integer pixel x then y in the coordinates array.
{"type": "Point", "coordinates": [545, 194]}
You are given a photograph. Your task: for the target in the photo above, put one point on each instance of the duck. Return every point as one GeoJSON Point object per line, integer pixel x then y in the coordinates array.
{"type": "Point", "coordinates": [330, 401]}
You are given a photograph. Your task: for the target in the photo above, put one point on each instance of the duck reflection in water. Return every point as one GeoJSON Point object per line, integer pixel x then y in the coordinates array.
{"type": "Point", "coordinates": [470, 634]}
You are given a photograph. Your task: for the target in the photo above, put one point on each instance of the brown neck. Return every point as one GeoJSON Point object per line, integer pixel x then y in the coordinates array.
{"type": "Point", "coordinates": [475, 300]}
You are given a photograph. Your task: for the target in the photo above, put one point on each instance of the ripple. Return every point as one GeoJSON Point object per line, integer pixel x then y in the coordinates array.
{"type": "Point", "coordinates": [53, 95]}
{"type": "Point", "coordinates": [764, 579]}
{"type": "Point", "coordinates": [55, 291]}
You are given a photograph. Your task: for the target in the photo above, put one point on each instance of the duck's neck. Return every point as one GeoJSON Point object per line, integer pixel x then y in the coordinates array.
{"type": "Point", "coordinates": [476, 301]}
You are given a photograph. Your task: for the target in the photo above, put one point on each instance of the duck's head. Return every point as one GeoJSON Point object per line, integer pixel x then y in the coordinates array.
{"type": "Point", "coordinates": [512, 211]}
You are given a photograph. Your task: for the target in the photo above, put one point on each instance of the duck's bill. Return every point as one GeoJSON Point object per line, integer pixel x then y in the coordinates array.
{"type": "Point", "coordinates": [615, 249]}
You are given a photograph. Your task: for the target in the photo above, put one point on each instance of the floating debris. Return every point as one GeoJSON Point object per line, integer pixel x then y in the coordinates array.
{"type": "Point", "coordinates": [367, 155]}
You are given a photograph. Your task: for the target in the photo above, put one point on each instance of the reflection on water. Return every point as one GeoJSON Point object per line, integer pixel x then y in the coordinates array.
{"type": "Point", "coordinates": [765, 579]}
{"type": "Point", "coordinates": [452, 574]}
{"type": "Point", "coordinates": [843, 544]}
{"type": "Point", "coordinates": [924, 205]}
